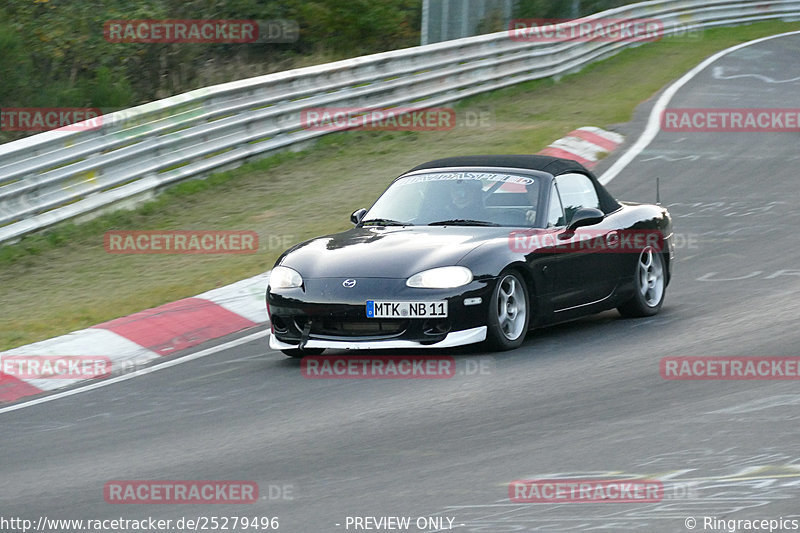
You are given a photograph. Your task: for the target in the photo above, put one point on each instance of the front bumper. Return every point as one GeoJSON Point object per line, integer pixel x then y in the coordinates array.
{"type": "Point", "coordinates": [327, 315]}
{"type": "Point", "coordinates": [454, 338]}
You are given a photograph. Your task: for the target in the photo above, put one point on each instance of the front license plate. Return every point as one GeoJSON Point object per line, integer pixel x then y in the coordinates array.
{"type": "Point", "coordinates": [380, 309]}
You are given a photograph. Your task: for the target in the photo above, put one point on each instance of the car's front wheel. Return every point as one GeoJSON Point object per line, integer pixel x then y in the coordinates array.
{"type": "Point", "coordinates": [509, 313]}
{"type": "Point", "coordinates": [650, 282]}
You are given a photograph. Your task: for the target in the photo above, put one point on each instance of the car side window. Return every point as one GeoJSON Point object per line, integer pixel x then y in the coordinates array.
{"type": "Point", "coordinates": [576, 191]}
{"type": "Point", "coordinates": [555, 213]}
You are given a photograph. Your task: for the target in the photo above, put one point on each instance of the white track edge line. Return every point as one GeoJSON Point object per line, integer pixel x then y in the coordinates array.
{"type": "Point", "coordinates": [148, 370]}
{"type": "Point", "coordinates": [653, 122]}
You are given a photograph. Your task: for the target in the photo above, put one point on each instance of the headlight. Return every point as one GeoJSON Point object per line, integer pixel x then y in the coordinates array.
{"type": "Point", "coordinates": [284, 278]}
{"type": "Point", "coordinates": [441, 278]}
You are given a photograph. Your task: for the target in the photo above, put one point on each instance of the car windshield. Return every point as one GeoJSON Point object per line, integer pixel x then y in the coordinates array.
{"type": "Point", "coordinates": [459, 199]}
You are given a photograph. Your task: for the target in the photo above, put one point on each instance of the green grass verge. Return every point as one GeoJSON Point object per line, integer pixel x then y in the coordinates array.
{"type": "Point", "coordinates": [56, 282]}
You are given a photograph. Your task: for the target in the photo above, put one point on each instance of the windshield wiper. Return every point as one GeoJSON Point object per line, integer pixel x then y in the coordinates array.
{"type": "Point", "coordinates": [384, 222]}
{"type": "Point", "coordinates": [462, 222]}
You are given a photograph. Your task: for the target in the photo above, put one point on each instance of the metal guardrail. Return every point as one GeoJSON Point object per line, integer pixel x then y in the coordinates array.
{"type": "Point", "coordinates": [60, 175]}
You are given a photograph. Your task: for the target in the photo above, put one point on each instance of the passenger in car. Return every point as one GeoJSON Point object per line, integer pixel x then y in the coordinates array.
{"type": "Point", "coordinates": [532, 191]}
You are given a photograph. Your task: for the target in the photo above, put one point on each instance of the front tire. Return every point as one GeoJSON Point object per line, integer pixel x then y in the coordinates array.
{"type": "Point", "coordinates": [509, 313]}
{"type": "Point", "coordinates": [650, 284]}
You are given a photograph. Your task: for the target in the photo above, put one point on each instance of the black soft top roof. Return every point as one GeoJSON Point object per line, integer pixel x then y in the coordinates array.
{"type": "Point", "coordinates": [545, 163]}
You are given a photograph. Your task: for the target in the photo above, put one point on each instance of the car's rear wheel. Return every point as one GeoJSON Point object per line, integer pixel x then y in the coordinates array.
{"type": "Point", "coordinates": [509, 313]}
{"type": "Point", "coordinates": [296, 352]}
{"type": "Point", "coordinates": [650, 284]}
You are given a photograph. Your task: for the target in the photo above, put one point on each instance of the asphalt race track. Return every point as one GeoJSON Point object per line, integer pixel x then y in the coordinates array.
{"type": "Point", "coordinates": [579, 400]}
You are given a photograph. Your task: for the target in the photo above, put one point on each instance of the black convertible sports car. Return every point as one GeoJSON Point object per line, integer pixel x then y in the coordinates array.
{"type": "Point", "coordinates": [471, 249]}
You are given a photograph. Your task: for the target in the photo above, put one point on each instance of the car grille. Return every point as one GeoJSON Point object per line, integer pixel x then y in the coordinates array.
{"type": "Point", "coordinates": [332, 327]}
{"type": "Point", "coordinates": [359, 328]}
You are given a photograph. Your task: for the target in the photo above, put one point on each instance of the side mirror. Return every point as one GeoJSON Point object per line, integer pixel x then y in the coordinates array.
{"type": "Point", "coordinates": [585, 216]}
{"type": "Point", "coordinates": [358, 216]}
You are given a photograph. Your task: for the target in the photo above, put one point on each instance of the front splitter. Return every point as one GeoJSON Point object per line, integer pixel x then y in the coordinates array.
{"type": "Point", "coordinates": [455, 338]}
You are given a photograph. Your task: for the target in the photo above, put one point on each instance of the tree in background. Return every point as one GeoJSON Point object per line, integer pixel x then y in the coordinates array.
{"type": "Point", "coordinates": [53, 52]}
{"type": "Point", "coordinates": [565, 9]}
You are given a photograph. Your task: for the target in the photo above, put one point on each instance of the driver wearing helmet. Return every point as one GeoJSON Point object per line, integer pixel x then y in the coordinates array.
{"type": "Point", "coordinates": [466, 200]}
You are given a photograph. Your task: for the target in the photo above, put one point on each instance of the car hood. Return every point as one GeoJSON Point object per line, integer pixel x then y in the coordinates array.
{"type": "Point", "coordinates": [391, 252]}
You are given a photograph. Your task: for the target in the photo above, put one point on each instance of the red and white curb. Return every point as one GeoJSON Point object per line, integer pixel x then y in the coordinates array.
{"type": "Point", "coordinates": [124, 344]}
{"type": "Point", "coordinates": [585, 145]}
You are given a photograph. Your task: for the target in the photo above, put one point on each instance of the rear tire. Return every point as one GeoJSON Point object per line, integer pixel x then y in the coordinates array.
{"type": "Point", "coordinates": [509, 313]}
{"type": "Point", "coordinates": [296, 352]}
{"type": "Point", "coordinates": [650, 282]}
